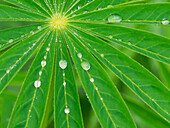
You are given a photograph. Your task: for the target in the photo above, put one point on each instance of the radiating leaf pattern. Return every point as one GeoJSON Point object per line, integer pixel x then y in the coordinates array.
{"type": "Point", "coordinates": [81, 33]}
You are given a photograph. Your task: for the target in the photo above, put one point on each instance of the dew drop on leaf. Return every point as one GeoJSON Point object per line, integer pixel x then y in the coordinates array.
{"type": "Point", "coordinates": [43, 63]}
{"type": "Point", "coordinates": [67, 110]}
{"type": "Point", "coordinates": [165, 21]}
{"type": "Point", "coordinates": [114, 18]}
{"type": "Point", "coordinates": [37, 83]}
{"type": "Point", "coordinates": [79, 55]}
{"type": "Point", "coordinates": [85, 65]}
{"type": "Point", "coordinates": [63, 64]}
{"type": "Point", "coordinates": [11, 40]}
{"type": "Point", "coordinates": [92, 80]}
{"type": "Point", "coordinates": [39, 27]}
{"type": "Point", "coordinates": [64, 83]}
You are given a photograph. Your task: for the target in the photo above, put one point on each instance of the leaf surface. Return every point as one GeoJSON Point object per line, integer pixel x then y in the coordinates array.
{"type": "Point", "coordinates": [102, 93]}
{"type": "Point", "coordinates": [135, 76]}
{"type": "Point", "coordinates": [66, 96]}
{"type": "Point", "coordinates": [32, 101]}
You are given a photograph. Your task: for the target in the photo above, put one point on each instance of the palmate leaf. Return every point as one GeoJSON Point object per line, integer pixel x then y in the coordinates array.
{"type": "Point", "coordinates": [106, 101]}
{"type": "Point", "coordinates": [79, 33]}
{"type": "Point", "coordinates": [142, 82]}
{"type": "Point", "coordinates": [32, 100]}
{"type": "Point", "coordinates": [142, 13]}
{"type": "Point", "coordinates": [66, 96]}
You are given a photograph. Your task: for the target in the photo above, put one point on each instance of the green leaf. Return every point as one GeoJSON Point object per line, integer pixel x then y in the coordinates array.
{"type": "Point", "coordinates": [67, 107]}
{"type": "Point", "coordinates": [148, 44]}
{"type": "Point", "coordinates": [102, 93]}
{"type": "Point", "coordinates": [135, 76]}
{"type": "Point", "coordinates": [84, 6]}
{"type": "Point", "coordinates": [13, 59]}
{"type": "Point", "coordinates": [31, 6]}
{"type": "Point", "coordinates": [8, 13]}
{"type": "Point", "coordinates": [143, 114]}
{"type": "Point", "coordinates": [142, 13]}
{"type": "Point", "coordinates": [32, 101]}
{"type": "Point", "coordinates": [18, 34]}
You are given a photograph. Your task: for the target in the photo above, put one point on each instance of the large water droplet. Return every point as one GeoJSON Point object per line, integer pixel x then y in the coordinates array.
{"type": "Point", "coordinates": [63, 64]}
{"type": "Point", "coordinates": [114, 18]}
{"type": "Point", "coordinates": [67, 110]}
{"type": "Point", "coordinates": [85, 65]}
{"type": "Point", "coordinates": [165, 21]}
{"type": "Point", "coordinates": [43, 63]}
{"type": "Point", "coordinates": [37, 83]}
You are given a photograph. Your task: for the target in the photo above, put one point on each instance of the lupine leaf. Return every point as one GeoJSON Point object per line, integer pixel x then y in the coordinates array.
{"type": "Point", "coordinates": [148, 44]}
{"type": "Point", "coordinates": [136, 77]}
{"type": "Point", "coordinates": [107, 102]}
{"type": "Point", "coordinates": [17, 34]}
{"type": "Point", "coordinates": [13, 59]}
{"type": "Point", "coordinates": [31, 103]}
{"type": "Point", "coordinates": [142, 13]}
{"type": "Point", "coordinates": [67, 108]}
{"type": "Point", "coordinates": [8, 13]}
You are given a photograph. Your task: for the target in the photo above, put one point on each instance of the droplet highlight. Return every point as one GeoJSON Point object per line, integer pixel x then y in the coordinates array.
{"type": "Point", "coordinates": [85, 65]}
{"type": "Point", "coordinates": [114, 18]}
{"type": "Point", "coordinates": [63, 64]}
{"type": "Point", "coordinates": [37, 83]}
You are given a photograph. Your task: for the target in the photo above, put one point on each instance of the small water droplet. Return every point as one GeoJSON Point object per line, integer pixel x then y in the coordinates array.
{"type": "Point", "coordinates": [102, 55]}
{"type": "Point", "coordinates": [48, 49]}
{"type": "Point", "coordinates": [79, 55]}
{"type": "Point", "coordinates": [40, 73]}
{"type": "Point", "coordinates": [39, 27]}
{"type": "Point", "coordinates": [34, 44]}
{"type": "Point", "coordinates": [67, 110]}
{"type": "Point", "coordinates": [45, 57]}
{"type": "Point", "coordinates": [32, 32]}
{"type": "Point", "coordinates": [165, 21]}
{"type": "Point", "coordinates": [99, 8]}
{"type": "Point", "coordinates": [114, 18]}
{"type": "Point", "coordinates": [11, 40]}
{"type": "Point", "coordinates": [43, 63]}
{"type": "Point", "coordinates": [85, 65]}
{"type": "Point", "coordinates": [96, 88]}
{"type": "Point", "coordinates": [92, 80]}
{"type": "Point", "coordinates": [101, 98]}
{"type": "Point", "coordinates": [37, 83]}
{"type": "Point", "coordinates": [7, 71]}
{"type": "Point", "coordinates": [64, 83]}
{"type": "Point", "coordinates": [63, 74]}
{"type": "Point", "coordinates": [63, 64]}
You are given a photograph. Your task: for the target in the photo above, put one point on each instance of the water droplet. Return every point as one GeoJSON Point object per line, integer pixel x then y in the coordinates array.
{"type": "Point", "coordinates": [85, 65]}
{"type": "Point", "coordinates": [165, 21]}
{"type": "Point", "coordinates": [63, 64]}
{"type": "Point", "coordinates": [11, 40]}
{"type": "Point", "coordinates": [7, 71]}
{"type": "Point", "coordinates": [32, 32]}
{"type": "Point", "coordinates": [63, 74]}
{"type": "Point", "coordinates": [110, 37]}
{"type": "Point", "coordinates": [96, 88]}
{"type": "Point", "coordinates": [37, 83]}
{"type": "Point", "coordinates": [92, 80]}
{"type": "Point", "coordinates": [101, 98]}
{"type": "Point", "coordinates": [114, 18]}
{"type": "Point", "coordinates": [45, 57]}
{"type": "Point", "coordinates": [48, 49]}
{"type": "Point", "coordinates": [99, 8]}
{"type": "Point", "coordinates": [64, 83]}
{"type": "Point", "coordinates": [79, 55]}
{"type": "Point", "coordinates": [39, 27]}
{"type": "Point", "coordinates": [34, 44]}
{"type": "Point", "coordinates": [43, 63]}
{"type": "Point", "coordinates": [67, 110]}
{"type": "Point", "coordinates": [40, 73]}
{"type": "Point", "coordinates": [102, 55]}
